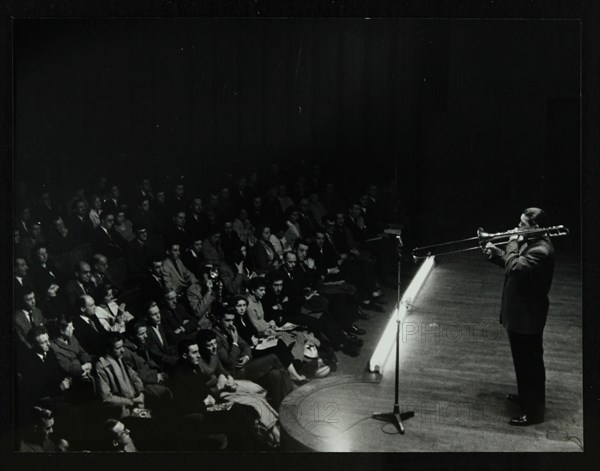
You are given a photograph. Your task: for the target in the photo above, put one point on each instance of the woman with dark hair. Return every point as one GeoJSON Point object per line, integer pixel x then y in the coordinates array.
{"type": "Point", "coordinates": [264, 256]}
{"type": "Point", "coordinates": [248, 332]}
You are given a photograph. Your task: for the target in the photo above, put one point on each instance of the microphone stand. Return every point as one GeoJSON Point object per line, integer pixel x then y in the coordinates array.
{"type": "Point", "coordinates": [395, 417]}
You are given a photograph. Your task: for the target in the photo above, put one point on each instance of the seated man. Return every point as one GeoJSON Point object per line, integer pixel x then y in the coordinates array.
{"type": "Point", "coordinates": [60, 239]}
{"type": "Point", "coordinates": [235, 355]}
{"type": "Point", "coordinates": [154, 283]}
{"type": "Point", "coordinates": [27, 315]}
{"type": "Point", "coordinates": [88, 328]}
{"type": "Point", "coordinates": [136, 251]}
{"type": "Point", "coordinates": [43, 381]}
{"type": "Point", "coordinates": [106, 240]}
{"type": "Point", "coordinates": [174, 271]}
{"type": "Point", "coordinates": [136, 356]}
{"type": "Point", "coordinates": [161, 350]}
{"type": "Point", "coordinates": [118, 385]}
{"type": "Point", "coordinates": [212, 251]}
{"type": "Point", "coordinates": [73, 360]}
{"type": "Point", "coordinates": [80, 285]}
{"type": "Point", "coordinates": [37, 435]}
{"type": "Point", "coordinates": [22, 278]}
{"type": "Point", "coordinates": [116, 437]}
{"type": "Point", "coordinates": [43, 271]}
{"type": "Point", "coordinates": [191, 400]}
{"type": "Point", "coordinates": [192, 257]}
{"type": "Point", "coordinates": [176, 232]}
{"type": "Point", "coordinates": [80, 222]}
{"type": "Point", "coordinates": [178, 323]}
{"type": "Point", "coordinates": [102, 276]}
{"type": "Point", "coordinates": [230, 242]}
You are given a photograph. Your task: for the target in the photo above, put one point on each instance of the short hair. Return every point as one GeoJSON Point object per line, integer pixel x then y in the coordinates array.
{"type": "Point", "coordinates": [104, 214]}
{"type": "Point", "coordinates": [184, 346]}
{"type": "Point", "coordinates": [154, 260]}
{"type": "Point", "coordinates": [237, 299]}
{"type": "Point", "coordinates": [107, 435]}
{"type": "Point", "coordinates": [256, 283]}
{"type": "Point", "coordinates": [275, 276]}
{"type": "Point", "coordinates": [205, 335]}
{"type": "Point", "coordinates": [111, 339]}
{"type": "Point", "coordinates": [131, 329]}
{"type": "Point", "coordinates": [299, 242]}
{"type": "Point", "coordinates": [535, 216]}
{"type": "Point", "coordinates": [79, 266]}
{"type": "Point", "coordinates": [98, 256]}
{"type": "Point", "coordinates": [170, 243]}
{"type": "Point", "coordinates": [101, 292]}
{"type": "Point", "coordinates": [149, 305]}
{"type": "Point", "coordinates": [40, 246]}
{"type": "Point", "coordinates": [57, 326]}
{"type": "Point", "coordinates": [35, 332]}
{"type": "Point", "coordinates": [285, 255]}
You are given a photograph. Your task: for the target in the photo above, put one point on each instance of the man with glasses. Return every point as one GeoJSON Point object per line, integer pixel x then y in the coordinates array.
{"type": "Point", "coordinates": [80, 285]}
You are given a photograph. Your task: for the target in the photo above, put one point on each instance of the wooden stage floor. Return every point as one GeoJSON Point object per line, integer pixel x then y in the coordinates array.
{"type": "Point", "coordinates": [455, 371]}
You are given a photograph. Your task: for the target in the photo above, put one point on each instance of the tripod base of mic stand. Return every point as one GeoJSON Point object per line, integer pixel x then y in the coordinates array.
{"type": "Point", "coordinates": [395, 418]}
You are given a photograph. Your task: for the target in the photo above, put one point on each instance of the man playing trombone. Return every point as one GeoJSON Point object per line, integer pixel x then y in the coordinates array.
{"type": "Point", "coordinates": [528, 261]}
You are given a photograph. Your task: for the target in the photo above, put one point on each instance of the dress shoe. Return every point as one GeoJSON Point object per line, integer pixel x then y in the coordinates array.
{"type": "Point", "coordinates": [353, 339]}
{"type": "Point", "coordinates": [372, 307]}
{"type": "Point", "coordinates": [350, 350]}
{"type": "Point", "coordinates": [525, 420]}
{"type": "Point", "coordinates": [357, 330]}
{"type": "Point", "coordinates": [363, 315]}
{"type": "Point", "coordinates": [514, 398]}
{"type": "Point", "coordinates": [301, 382]}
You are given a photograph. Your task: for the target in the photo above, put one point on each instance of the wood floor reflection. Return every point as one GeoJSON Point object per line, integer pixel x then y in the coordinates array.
{"type": "Point", "coordinates": [455, 370]}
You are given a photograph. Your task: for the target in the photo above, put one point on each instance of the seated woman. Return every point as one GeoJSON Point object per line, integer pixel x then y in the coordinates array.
{"type": "Point", "coordinates": [223, 386]}
{"type": "Point", "coordinates": [248, 332]}
{"type": "Point", "coordinates": [264, 255]}
{"type": "Point", "coordinates": [112, 316]}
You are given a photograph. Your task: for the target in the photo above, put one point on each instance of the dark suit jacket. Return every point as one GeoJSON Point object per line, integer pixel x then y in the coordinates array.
{"type": "Point", "coordinates": [193, 262]}
{"type": "Point", "coordinates": [529, 269]}
{"type": "Point", "coordinates": [151, 290]}
{"type": "Point", "coordinates": [164, 354]}
{"type": "Point", "coordinates": [137, 257]}
{"type": "Point", "coordinates": [81, 229]}
{"type": "Point", "coordinates": [42, 277]}
{"type": "Point", "coordinates": [189, 389]}
{"type": "Point", "coordinates": [73, 292]}
{"type": "Point", "coordinates": [90, 339]}
{"type": "Point", "coordinates": [41, 379]}
{"type": "Point", "coordinates": [105, 244]}
{"type": "Point", "coordinates": [196, 228]}
{"type": "Point", "coordinates": [175, 234]}
{"type": "Point", "coordinates": [173, 320]}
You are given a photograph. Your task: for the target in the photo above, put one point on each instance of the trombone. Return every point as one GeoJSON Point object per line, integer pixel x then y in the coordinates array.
{"type": "Point", "coordinates": [482, 238]}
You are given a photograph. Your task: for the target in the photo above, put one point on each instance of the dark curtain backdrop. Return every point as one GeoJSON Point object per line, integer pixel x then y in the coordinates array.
{"type": "Point", "coordinates": [472, 120]}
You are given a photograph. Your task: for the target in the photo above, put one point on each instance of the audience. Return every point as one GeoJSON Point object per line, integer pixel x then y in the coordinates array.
{"type": "Point", "coordinates": [177, 307]}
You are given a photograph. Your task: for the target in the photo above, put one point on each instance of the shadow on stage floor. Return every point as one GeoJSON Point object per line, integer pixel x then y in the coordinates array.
{"type": "Point", "coordinates": [455, 370]}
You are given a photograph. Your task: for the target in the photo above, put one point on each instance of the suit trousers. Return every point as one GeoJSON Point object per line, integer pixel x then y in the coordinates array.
{"type": "Point", "coordinates": [527, 352]}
